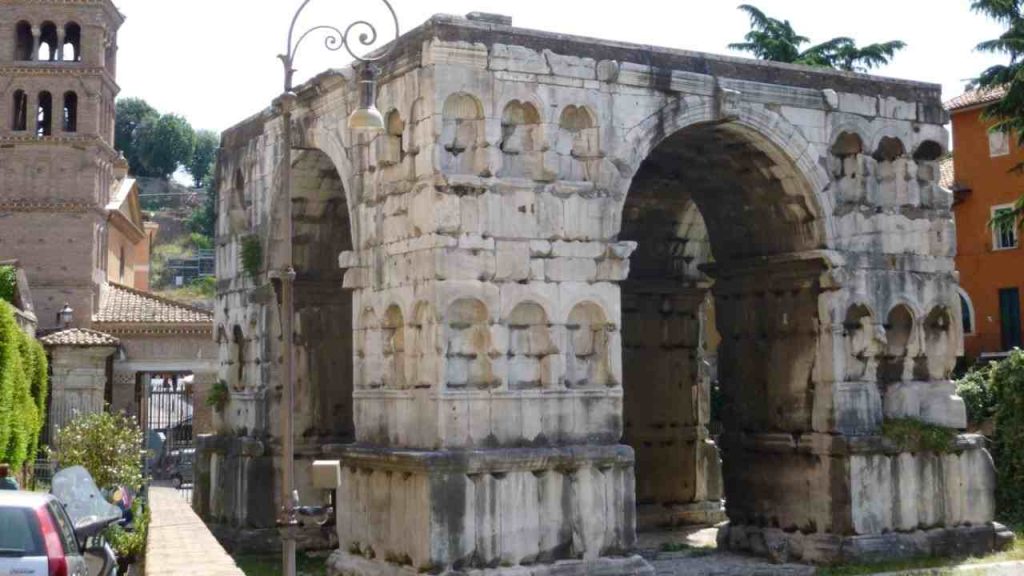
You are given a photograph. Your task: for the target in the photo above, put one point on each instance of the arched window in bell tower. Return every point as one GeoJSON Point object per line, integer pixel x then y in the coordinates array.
{"type": "Point", "coordinates": [48, 43]}
{"type": "Point", "coordinates": [19, 108]}
{"type": "Point", "coordinates": [23, 42]}
{"type": "Point", "coordinates": [70, 112]}
{"type": "Point", "coordinates": [72, 49]}
{"type": "Point", "coordinates": [44, 115]}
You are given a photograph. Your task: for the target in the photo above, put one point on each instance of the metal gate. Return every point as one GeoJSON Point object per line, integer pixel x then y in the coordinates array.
{"type": "Point", "coordinates": [166, 414]}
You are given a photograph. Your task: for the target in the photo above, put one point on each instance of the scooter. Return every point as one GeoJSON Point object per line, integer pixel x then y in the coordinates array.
{"type": "Point", "coordinates": [90, 515]}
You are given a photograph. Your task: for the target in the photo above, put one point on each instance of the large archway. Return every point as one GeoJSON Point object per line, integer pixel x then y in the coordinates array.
{"type": "Point", "coordinates": [323, 310]}
{"type": "Point", "coordinates": [720, 311]}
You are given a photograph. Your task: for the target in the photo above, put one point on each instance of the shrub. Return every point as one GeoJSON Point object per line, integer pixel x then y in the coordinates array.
{"type": "Point", "coordinates": [1007, 381]}
{"type": "Point", "coordinates": [8, 283]}
{"type": "Point", "coordinates": [912, 435]}
{"type": "Point", "coordinates": [108, 445]}
{"type": "Point", "coordinates": [252, 256]}
{"type": "Point", "coordinates": [976, 390]}
{"type": "Point", "coordinates": [23, 388]}
{"type": "Point", "coordinates": [130, 544]}
{"type": "Point", "coordinates": [219, 396]}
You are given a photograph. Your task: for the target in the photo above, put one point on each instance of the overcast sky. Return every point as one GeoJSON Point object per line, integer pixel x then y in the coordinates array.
{"type": "Point", "coordinates": [214, 61]}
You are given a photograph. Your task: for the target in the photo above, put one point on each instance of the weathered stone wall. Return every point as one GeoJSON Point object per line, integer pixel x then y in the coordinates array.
{"type": "Point", "coordinates": [503, 346]}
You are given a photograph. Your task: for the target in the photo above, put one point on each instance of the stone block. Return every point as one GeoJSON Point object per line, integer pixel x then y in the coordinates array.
{"type": "Point", "coordinates": [512, 261]}
{"type": "Point", "coordinates": [857, 104]}
{"type": "Point", "coordinates": [571, 66]}
{"type": "Point", "coordinates": [897, 109]}
{"type": "Point", "coordinates": [570, 270]}
{"type": "Point", "coordinates": [518, 59]}
{"type": "Point", "coordinates": [871, 505]}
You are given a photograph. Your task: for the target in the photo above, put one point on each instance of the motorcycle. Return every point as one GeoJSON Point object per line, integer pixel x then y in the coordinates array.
{"type": "Point", "coordinates": [90, 515]}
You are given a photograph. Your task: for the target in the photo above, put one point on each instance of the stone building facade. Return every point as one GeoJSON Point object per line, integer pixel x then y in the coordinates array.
{"type": "Point", "coordinates": [70, 212]}
{"type": "Point", "coordinates": [511, 305]}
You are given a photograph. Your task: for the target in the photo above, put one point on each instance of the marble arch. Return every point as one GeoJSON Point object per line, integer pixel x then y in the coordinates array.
{"type": "Point", "coordinates": [703, 191]}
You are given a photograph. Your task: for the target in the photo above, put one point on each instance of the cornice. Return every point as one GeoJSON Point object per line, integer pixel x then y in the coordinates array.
{"type": "Point", "coordinates": [46, 206]}
{"type": "Point", "coordinates": [30, 140]}
{"type": "Point", "coordinates": [156, 329]}
{"type": "Point", "coordinates": [56, 69]}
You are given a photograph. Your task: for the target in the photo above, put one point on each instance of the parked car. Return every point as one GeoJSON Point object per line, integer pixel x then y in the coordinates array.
{"type": "Point", "coordinates": [37, 537]}
{"type": "Point", "coordinates": [178, 466]}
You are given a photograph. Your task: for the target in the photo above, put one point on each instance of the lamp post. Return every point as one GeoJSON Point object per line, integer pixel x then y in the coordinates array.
{"type": "Point", "coordinates": [366, 117]}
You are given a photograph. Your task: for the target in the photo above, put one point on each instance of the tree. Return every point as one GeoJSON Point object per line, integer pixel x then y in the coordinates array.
{"type": "Point", "coordinates": [204, 158]}
{"type": "Point", "coordinates": [131, 114]}
{"type": "Point", "coordinates": [165, 145]}
{"type": "Point", "coordinates": [1007, 114]}
{"type": "Point", "coordinates": [776, 40]}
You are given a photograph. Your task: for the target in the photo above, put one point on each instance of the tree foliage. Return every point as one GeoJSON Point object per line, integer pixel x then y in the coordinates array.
{"type": "Point", "coordinates": [1007, 114]}
{"type": "Point", "coordinates": [132, 113]}
{"type": "Point", "coordinates": [156, 144]}
{"type": "Point", "coordinates": [107, 445]}
{"type": "Point", "coordinates": [165, 145]}
{"type": "Point", "coordinates": [23, 389]}
{"type": "Point", "coordinates": [204, 157]}
{"type": "Point", "coordinates": [1007, 381]}
{"type": "Point", "coordinates": [976, 390]}
{"type": "Point", "coordinates": [8, 283]}
{"type": "Point", "coordinates": [776, 40]}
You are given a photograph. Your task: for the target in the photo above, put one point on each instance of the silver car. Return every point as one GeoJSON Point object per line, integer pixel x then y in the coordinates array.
{"type": "Point", "coordinates": [37, 537]}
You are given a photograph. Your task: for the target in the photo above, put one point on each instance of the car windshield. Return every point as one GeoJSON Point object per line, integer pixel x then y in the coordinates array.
{"type": "Point", "coordinates": [82, 499]}
{"type": "Point", "coordinates": [19, 533]}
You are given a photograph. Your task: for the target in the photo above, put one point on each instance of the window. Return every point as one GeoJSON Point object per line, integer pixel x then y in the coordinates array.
{"type": "Point", "coordinates": [1004, 236]}
{"type": "Point", "coordinates": [48, 43]}
{"type": "Point", "coordinates": [44, 115]}
{"type": "Point", "coordinates": [19, 108]}
{"type": "Point", "coordinates": [71, 51]}
{"type": "Point", "coordinates": [23, 42]}
{"type": "Point", "coordinates": [121, 266]}
{"type": "Point", "coordinates": [966, 311]}
{"type": "Point", "coordinates": [70, 112]}
{"type": "Point", "coordinates": [998, 143]}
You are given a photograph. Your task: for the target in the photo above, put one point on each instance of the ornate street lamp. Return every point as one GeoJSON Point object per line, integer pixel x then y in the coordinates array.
{"type": "Point", "coordinates": [366, 117]}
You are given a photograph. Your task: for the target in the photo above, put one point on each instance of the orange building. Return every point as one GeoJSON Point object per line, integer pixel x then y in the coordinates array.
{"type": "Point", "coordinates": [990, 261]}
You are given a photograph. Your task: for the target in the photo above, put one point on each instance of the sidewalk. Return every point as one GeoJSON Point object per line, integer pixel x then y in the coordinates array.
{"type": "Point", "coordinates": [179, 543]}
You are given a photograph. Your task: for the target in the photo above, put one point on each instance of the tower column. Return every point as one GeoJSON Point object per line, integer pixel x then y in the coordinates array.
{"type": "Point", "coordinates": [36, 35]}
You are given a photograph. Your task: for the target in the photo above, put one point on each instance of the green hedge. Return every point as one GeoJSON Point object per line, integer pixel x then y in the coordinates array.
{"type": "Point", "coordinates": [1007, 382]}
{"type": "Point", "coordinates": [23, 389]}
{"type": "Point", "coordinates": [8, 283]}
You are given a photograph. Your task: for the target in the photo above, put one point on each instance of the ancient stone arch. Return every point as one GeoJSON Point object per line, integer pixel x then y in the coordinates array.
{"type": "Point", "coordinates": [561, 249]}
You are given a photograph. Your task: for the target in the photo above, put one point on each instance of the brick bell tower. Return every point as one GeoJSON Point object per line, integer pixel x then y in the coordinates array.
{"type": "Point", "coordinates": [58, 166]}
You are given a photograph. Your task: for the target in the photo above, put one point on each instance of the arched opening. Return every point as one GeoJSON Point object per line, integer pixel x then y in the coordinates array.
{"type": "Point", "coordinates": [44, 115]}
{"type": "Point", "coordinates": [23, 41]}
{"type": "Point", "coordinates": [323, 309]}
{"type": "Point", "coordinates": [966, 312]}
{"type": "Point", "coordinates": [468, 346]}
{"type": "Point", "coordinates": [531, 350]}
{"type": "Point", "coordinates": [899, 346]}
{"type": "Point", "coordinates": [721, 313]}
{"type": "Point", "coordinates": [19, 111]}
{"type": "Point", "coordinates": [71, 51]}
{"type": "Point", "coordinates": [578, 144]}
{"type": "Point", "coordinates": [48, 43]}
{"type": "Point", "coordinates": [392, 150]}
{"type": "Point", "coordinates": [521, 139]}
{"type": "Point", "coordinates": [70, 112]}
{"type": "Point", "coordinates": [463, 135]}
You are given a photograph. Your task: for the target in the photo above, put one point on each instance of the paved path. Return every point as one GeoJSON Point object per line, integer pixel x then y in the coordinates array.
{"type": "Point", "coordinates": [179, 543]}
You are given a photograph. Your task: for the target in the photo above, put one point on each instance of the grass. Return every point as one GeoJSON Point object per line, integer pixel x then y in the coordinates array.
{"type": "Point", "coordinates": [1015, 553]}
{"type": "Point", "coordinates": [263, 565]}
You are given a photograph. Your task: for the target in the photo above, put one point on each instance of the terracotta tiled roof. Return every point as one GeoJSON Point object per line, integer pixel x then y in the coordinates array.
{"type": "Point", "coordinates": [123, 305]}
{"type": "Point", "coordinates": [975, 98]}
{"type": "Point", "coordinates": [79, 337]}
{"type": "Point", "coordinates": [948, 177]}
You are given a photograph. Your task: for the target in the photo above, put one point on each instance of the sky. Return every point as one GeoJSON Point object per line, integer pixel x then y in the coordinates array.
{"type": "Point", "coordinates": [215, 61]}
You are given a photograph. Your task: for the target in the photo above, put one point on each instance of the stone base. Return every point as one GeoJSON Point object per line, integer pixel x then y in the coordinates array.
{"type": "Point", "coordinates": [476, 510]}
{"type": "Point", "coordinates": [342, 563]}
{"type": "Point", "coordinates": [658, 516]}
{"type": "Point", "coordinates": [780, 546]}
{"type": "Point", "coordinates": [259, 540]}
